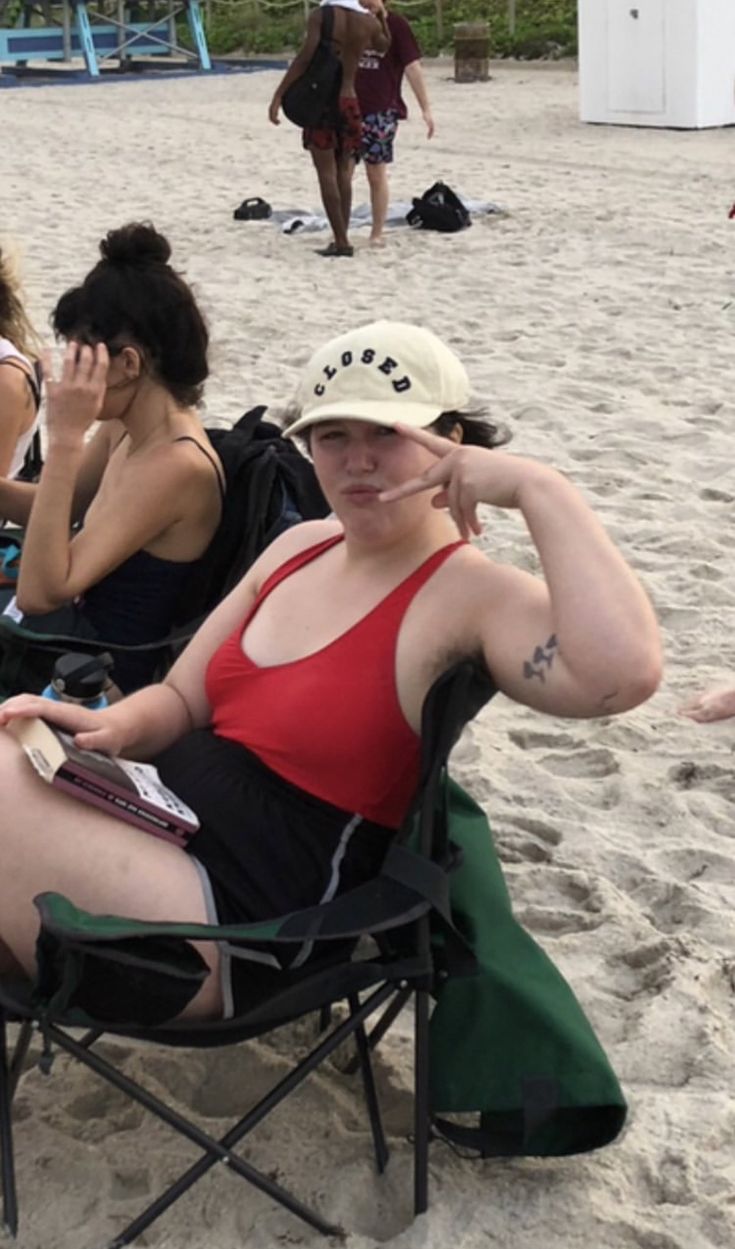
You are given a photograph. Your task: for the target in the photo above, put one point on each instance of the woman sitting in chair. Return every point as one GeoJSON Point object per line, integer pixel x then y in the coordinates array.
{"type": "Point", "coordinates": [20, 392]}
{"type": "Point", "coordinates": [291, 722]}
{"type": "Point", "coordinates": [146, 486]}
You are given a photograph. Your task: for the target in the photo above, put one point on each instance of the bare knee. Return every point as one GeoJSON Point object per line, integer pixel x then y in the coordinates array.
{"type": "Point", "coordinates": [208, 1003]}
{"type": "Point", "coordinates": [326, 167]}
{"type": "Point", "coordinates": [377, 174]}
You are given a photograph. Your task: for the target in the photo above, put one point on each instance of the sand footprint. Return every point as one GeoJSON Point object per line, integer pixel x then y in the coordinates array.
{"type": "Point", "coordinates": [586, 455]}
{"type": "Point", "coordinates": [678, 617]}
{"type": "Point", "coordinates": [650, 966]}
{"type": "Point", "coordinates": [541, 828]}
{"type": "Point", "coordinates": [585, 763]}
{"type": "Point", "coordinates": [669, 1181]}
{"type": "Point", "coordinates": [556, 901]}
{"type": "Point", "coordinates": [127, 1182]}
{"type": "Point", "coordinates": [218, 1085]}
{"type": "Point", "coordinates": [699, 863]}
{"type": "Point", "coordinates": [532, 739]}
{"type": "Point", "coordinates": [674, 908]}
{"type": "Point", "coordinates": [523, 839]}
{"type": "Point", "coordinates": [635, 1236]}
{"type": "Point", "coordinates": [100, 1110]}
{"type": "Point", "coordinates": [707, 809]}
{"type": "Point", "coordinates": [706, 572]}
{"type": "Point", "coordinates": [711, 776]}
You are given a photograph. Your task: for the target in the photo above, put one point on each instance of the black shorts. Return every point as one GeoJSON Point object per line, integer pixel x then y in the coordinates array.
{"type": "Point", "coordinates": [264, 847]}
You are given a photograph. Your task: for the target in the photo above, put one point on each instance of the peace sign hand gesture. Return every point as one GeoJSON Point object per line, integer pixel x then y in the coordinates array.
{"type": "Point", "coordinates": [75, 401]}
{"type": "Point", "coordinates": [465, 476]}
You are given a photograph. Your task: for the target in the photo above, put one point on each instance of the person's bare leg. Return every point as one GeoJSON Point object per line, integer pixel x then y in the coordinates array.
{"type": "Point", "coordinates": [345, 174]}
{"type": "Point", "coordinates": [49, 841]}
{"type": "Point", "coordinates": [377, 176]}
{"type": "Point", "coordinates": [325, 164]}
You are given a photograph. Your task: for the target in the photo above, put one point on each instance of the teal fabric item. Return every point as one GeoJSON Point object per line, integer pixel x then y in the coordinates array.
{"type": "Point", "coordinates": [511, 1043]}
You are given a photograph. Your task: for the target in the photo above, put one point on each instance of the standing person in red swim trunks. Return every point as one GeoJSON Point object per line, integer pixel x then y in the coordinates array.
{"type": "Point", "coordinates": [358, 25]}
{"type": "Point", "coordinates": [378, 82]}
{"type": "Point", "coordinates": [291, 722]}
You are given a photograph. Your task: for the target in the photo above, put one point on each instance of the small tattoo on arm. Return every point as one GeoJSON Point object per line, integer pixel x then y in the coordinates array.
{"type": "Point", "coordinates": [543, 658]}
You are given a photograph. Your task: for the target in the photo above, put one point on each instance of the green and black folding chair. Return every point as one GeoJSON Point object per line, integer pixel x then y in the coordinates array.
{"type": "Point", "coordinates": [119, 976]}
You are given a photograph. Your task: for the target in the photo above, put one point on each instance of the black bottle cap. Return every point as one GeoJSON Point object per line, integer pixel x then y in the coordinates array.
{"type": "Point", "coordinates": [82, 677]}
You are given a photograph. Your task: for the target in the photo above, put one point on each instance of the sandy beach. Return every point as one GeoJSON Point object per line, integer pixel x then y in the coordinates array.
{"type": "Point", "coordinates": [598, 320]}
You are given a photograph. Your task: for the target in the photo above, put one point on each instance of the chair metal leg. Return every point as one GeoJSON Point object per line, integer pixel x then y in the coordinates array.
{"type": "Point", "coordinates": [10, 1200]}
{"type": "Point", "coordinates": [215, 1151]}
{"type": "Point", "coordinates": [422, 1121]}
{"type": "Point", "coordinates": [221, 1151]}
{"type": "Point", "coordinates": [380, 1145]}
{"type": "Point", "coordinates": [89, 1038]}
{"type": "Point", "coordinates": [22, 1046]}
{"type": "Point", "coordinates": [376, 1034]}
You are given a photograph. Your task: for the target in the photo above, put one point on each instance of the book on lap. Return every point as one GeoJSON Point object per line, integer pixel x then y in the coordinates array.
{"type": "Point", "coordinates": [130, 791]}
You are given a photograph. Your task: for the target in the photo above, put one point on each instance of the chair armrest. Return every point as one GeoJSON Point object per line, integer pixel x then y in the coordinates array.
{"type": "Point", "coordinates": [377, 906]}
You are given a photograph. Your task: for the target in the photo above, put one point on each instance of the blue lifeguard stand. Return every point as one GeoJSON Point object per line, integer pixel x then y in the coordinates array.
{"type": "Point", "coordinates": [99, 30]}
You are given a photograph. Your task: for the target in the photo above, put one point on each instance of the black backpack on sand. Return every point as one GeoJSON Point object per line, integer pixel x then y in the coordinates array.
{"type": "Point", "coordinates": [312, 99]}
{"type": "Point", "coordinates": [270, 486]}
{"type": "Point", "coordinates": [439, 208]}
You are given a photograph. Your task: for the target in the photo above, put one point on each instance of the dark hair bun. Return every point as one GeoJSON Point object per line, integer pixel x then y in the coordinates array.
{"type": "Point", "coordinates": [135, 244]}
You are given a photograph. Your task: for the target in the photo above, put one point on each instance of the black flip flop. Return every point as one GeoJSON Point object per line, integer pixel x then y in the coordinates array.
{"type": "Point", "coordinates": [253, 209]}
{"type": "Point", "coordinates": [333, 250]}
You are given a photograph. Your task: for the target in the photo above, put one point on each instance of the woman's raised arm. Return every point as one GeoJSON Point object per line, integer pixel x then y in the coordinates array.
{"type": "Point", "coordinates": [583, 643]}
{"type": "Point", "coordinates": [57, 567]}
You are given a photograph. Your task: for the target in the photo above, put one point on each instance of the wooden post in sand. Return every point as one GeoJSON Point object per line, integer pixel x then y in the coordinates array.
{"type": "Point", "coordinates": [511, 17]}
{"type": "Point", "coordinates": [439, 17]}
{"type": "Point", "coordinates": [471, 51]}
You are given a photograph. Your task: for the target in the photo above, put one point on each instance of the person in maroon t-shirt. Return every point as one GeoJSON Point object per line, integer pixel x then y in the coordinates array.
{"type": "Point", "coordinates": [378, 85]}
{"type": "Point", "coordinates": [335, 148]}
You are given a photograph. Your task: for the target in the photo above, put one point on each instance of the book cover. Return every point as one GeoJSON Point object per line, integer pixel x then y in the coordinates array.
{"type": "Point", "coordinates": [131, 791]}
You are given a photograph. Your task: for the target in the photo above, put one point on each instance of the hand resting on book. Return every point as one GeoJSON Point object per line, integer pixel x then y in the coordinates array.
{"type": "Point", "coordinates": [91, 729]}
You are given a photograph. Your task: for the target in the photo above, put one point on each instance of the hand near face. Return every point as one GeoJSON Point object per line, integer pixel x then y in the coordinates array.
{"type": "Point", "coordinates": [74, 401]}
{"type": "Point", "coordinates": [464, 477]}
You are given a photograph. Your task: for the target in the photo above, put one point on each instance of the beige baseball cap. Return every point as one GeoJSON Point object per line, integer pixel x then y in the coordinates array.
{"type": "Point", "coordinates": [386, 372]}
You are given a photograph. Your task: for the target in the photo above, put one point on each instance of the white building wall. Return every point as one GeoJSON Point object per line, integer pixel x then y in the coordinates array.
{"type": "Point", "coordinates": [716, 89]}
{"type": "Point", "coordinates": [657, 62]}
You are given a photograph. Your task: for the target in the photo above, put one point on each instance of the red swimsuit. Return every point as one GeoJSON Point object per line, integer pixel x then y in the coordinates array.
{"type": "Point", "coordinates": [330, 723]}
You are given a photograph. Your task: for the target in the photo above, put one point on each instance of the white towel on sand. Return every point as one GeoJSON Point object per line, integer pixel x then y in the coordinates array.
{"type": "Point", "coordinates": [294, 221]}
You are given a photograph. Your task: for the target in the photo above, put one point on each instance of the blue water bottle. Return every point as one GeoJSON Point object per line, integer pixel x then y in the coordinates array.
{"type": "Point", "coordinates": [80, 679]}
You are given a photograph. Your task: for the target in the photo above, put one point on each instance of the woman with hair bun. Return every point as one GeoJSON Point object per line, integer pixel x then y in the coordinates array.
{"type": "Point", "coordinates": [20, 392]}
{"type": "Point", "coordinates": [147, 487]}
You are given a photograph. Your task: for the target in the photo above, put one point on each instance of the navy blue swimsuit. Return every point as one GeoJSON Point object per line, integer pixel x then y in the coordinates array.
{"type": "Point", "coordinates": [134, 604]}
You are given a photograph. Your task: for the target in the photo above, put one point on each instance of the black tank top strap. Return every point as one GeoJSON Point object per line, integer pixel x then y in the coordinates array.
{"type": "Point", "coordinates": [212, 461]}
